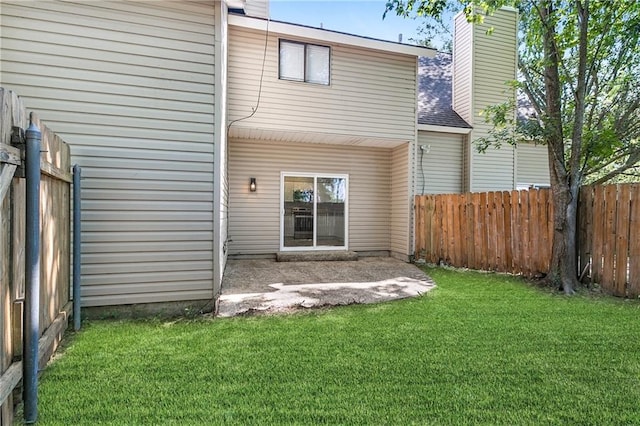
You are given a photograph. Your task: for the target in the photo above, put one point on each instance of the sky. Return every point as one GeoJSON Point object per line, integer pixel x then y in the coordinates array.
{"type": "Point", "coordinates": [359, 17]}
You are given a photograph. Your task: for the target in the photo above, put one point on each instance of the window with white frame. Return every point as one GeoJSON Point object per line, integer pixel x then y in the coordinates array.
{"type": "Point", "coordinates": [304, 62]}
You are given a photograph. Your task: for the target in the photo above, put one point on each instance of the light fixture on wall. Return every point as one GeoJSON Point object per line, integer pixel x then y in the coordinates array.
{"type": "Point", "coordinates": [252, 184]}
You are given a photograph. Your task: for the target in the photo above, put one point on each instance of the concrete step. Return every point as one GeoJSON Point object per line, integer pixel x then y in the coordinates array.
{"type": "Point", "coordinates": [311, 256]}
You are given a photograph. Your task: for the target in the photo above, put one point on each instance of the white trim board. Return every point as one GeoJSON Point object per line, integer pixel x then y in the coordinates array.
{"type": "Point", "coordinates": [328, 36]}
{"type": "Point", "coordinates": [444, 129]}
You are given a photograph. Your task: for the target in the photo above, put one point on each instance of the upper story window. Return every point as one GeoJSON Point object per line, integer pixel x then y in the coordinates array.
{"type": "Point", "coordinates": [304, 62]}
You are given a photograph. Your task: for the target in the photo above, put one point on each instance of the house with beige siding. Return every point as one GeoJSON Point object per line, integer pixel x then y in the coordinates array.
{"type": "Point", "coordinates": [206, 130]}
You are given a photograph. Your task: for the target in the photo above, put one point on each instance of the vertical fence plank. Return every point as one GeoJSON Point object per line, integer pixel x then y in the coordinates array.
{"type": "Point", "coordinates": [534, 232]}
{"type": "Point", "coordinates": [491, 231]}
{"type": "Point", "coordinates": [516, 233]}
{"type": "Point", "coordinates": [420, 227]}
{"type": "Point", "coordinates": [544, 258]}
{"type": "Point", "coordinates": [500, 232]}
{"type": "Point", "coordinates": [430, 220]}
{"type": "Point", "coordinates": [470, 231]}
{"type": "Point", "coordinates": [440, 228]}
{"type": "Point", "coordinates": [585, 228]}
{"type": "Point", "coordinates": [477, 231]}
{"type": "Point", "coordinates": [462, 231]}
{"type": "Point", "coordinates": [598, 231]}
{"type": "Point", "coordinates": [609, 239]}
{"type": "Point", "coordinates": [506, 220]}
{"type": "Point", "coordinates": [454, 230]}
{"type": "Point", "coordinates": [446, 228]}
{"type": "Point", "coordinates": [633, 289]}
{"type": "Point", "coordinates": [484, 223]}
{"type": "Point", "coordinates": [6, 352]}
{"type": "Point", "coordinates": [526, 242]}
{"type": "Point", "coordinates": [622, 239]}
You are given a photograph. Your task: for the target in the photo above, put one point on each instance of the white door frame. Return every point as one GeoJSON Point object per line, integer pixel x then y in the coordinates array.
{"type": "Point", "coordinates": [315, 177]}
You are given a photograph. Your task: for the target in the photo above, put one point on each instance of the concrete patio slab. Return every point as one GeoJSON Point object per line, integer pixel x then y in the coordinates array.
{"type": "Point", "coordinates": [260, 285]}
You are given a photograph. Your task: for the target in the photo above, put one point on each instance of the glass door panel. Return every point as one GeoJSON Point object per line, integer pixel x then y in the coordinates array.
{"type": "Point", "coordinates": [299, 210]}
{"type": "Point", "coordinates": [330, 211]}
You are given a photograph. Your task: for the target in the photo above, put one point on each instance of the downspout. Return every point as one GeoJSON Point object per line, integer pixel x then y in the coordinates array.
{"type": "Point", "coordinates": [77, 244]}
{"type": "Point", "coordinates": [32, 272]}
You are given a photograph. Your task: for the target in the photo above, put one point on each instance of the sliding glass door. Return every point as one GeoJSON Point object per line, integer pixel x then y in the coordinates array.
{"type": "Point", "coordinates": [314, 211]}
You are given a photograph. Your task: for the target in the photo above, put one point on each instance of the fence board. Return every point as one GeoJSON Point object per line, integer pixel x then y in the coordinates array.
{"type": "Point", "coordinates": [585, 229]}
{"type": "Point", "coordinates": [597, 236]}
{"type": "Point", "coordinates": [499, 227]}
{"type": "Point", "coordinates": [609, 237]}
{"type": "Point", "coordinates": [545, 228]}
{"type": "Point", "coordinates": [469, 230]}
{"type": "Point", "coordinates": [622, 240]}
{"type": "Point", "coordinates": [526, 234]}
{"type": "Point", "coordinates": [534, 231]}
{"type": "Point", "coordinates": [634, 242]}
{"type": "Point", "coordinates": [484, 225]}
{"type": "Point", "coordinates": [506, 223]}
{"type": "Point", "coordinates": [515, 234]}
{"type": "Point", "coordinates": [451, 230]}
{"type": "Point", "coordinates": [477, 231]}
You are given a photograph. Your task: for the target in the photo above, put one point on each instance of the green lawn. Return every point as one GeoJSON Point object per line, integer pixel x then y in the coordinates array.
{"type": "Point", "coordinates": [479, 349]}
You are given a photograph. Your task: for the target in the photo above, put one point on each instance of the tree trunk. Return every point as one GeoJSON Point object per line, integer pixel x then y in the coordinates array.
{"type": "Point", "coordinates": [564, 256]}
{"type": "Point", "coordinates": [564, 183]}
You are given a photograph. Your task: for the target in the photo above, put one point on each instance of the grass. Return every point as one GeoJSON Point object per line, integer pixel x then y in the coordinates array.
{"type": "Point", "coordinates": [479, 349]}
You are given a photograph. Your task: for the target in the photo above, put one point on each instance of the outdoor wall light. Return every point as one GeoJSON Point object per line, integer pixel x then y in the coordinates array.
{"type": "Point", "coordinates": [252, 184]}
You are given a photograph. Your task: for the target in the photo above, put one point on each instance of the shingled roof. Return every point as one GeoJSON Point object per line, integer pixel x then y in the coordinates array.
{"type": "Point", "coordinates": [434, 99]}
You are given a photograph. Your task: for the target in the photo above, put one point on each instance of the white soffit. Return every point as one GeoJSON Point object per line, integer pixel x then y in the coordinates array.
{"type": "Point", "coordinates": [273, 135]}
{"type": "Point", "coordinates": [329, 36]}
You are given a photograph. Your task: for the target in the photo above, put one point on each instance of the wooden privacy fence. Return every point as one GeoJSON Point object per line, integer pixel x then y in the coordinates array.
{"type": "Point", "coordinates": [512, 232]}
{"type": "Point", "coordinates": [496, 231]}
{"type": "Point", "coordinates": [609, 237]}
{"type": "Point", "coordinates": [55, 246]}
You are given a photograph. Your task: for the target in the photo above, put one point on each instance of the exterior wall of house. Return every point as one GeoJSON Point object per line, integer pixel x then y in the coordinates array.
{"type": "Point", "coordinates": [462, 96]}
{"type": "Point", "coordinates": [131, 87]}
{"type": "Point", "coordinates": [533, 165]}
{"type": "Point", "coordinates": [493, 65]}
{"type": "Point", "coordinates": [257, 8]}
{"type": "Point", "coordinates": [440, 167]}
{"type": "Point", "coordinates": [372, 94]}
{"type": "Point", "coordinates": [400, 201]}
{"type": "Point", "coordinates": [254, 221]}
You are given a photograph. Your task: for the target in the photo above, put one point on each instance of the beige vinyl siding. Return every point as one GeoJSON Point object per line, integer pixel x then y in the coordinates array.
{"type": "Point", "coordinates": [400, 204]}
{"type": "Point", "coordinates": [483, 64]}
{"type": "Point", "coordinates": [130, 85]}
{"type": "Point", "coordinates": [254, 217]}
{"type": "Point", "coordinates": [442, 163]}
{"type": "Point", "coordinates": [494, 66]}
{"type": "Point", "coordinates": [257, 8]}
{"type": "Point", "coordinates": [462, 68]}
{"type": "Point", "coordinates": [371, 94]}
{"type": "Point", "coordinates": [533, 164]}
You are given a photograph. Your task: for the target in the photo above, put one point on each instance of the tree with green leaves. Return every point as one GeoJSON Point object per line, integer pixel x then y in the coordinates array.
{"type": "Point", "coordinates": [579, 67]}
